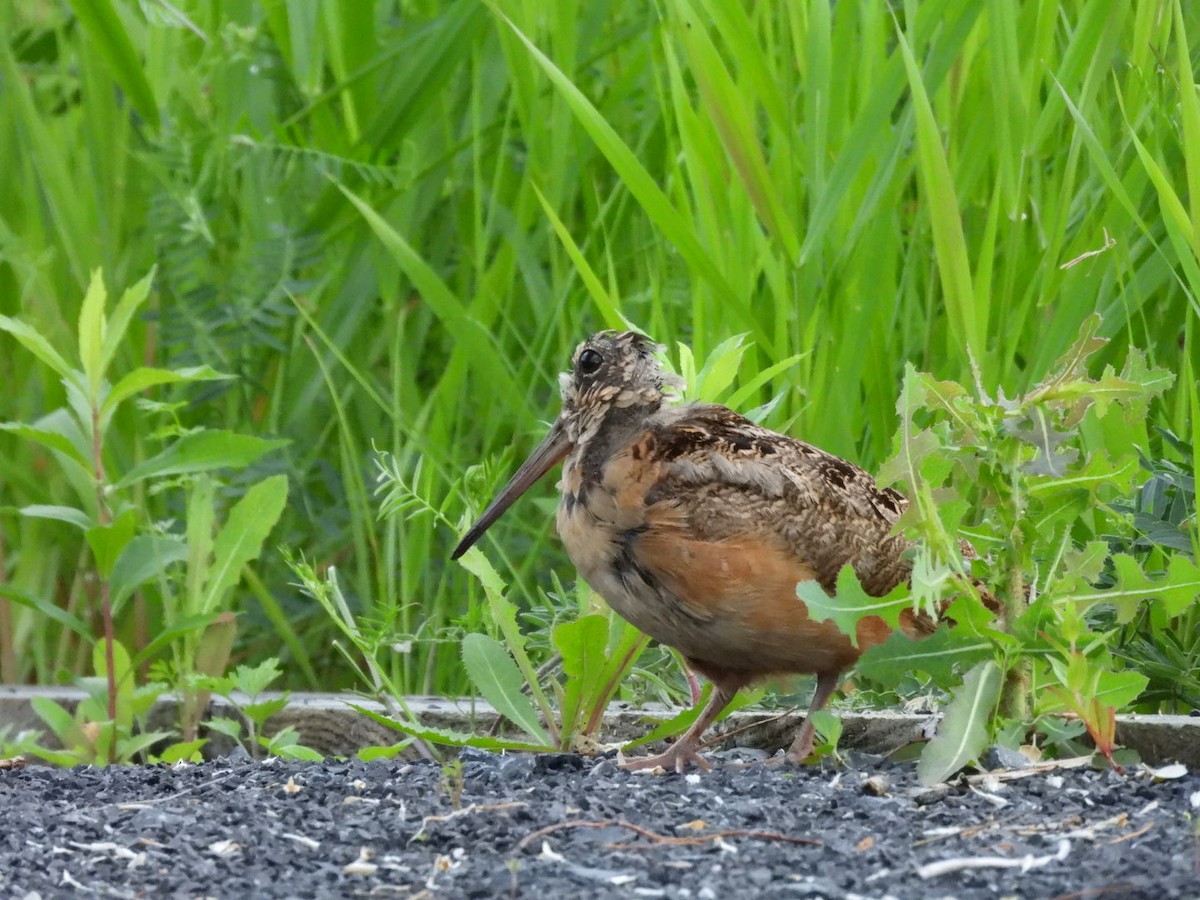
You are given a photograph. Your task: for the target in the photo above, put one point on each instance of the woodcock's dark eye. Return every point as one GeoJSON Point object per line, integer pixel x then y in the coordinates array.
{"type": "Point", "coordinates": [589, 361]}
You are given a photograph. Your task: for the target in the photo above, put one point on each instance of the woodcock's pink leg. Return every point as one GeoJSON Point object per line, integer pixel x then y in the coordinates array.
{"type": "Point", "coordinates": [802, 746]}
{"type": "Point", "coordinates": [683, 751]}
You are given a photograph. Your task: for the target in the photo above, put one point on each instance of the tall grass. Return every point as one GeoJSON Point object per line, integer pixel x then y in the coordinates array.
{"type": "Point", "coordinates": [394, 220]}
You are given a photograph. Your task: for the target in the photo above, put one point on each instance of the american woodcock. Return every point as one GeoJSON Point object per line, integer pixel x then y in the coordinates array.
{"type": "Point", "coordinates": [696, 525]}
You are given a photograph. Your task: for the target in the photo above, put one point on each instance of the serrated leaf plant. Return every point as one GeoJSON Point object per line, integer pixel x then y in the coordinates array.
{"type": "Point", "coordinates": [243, 688]}
{"type": "Point", "coordinates": [1034, 482]}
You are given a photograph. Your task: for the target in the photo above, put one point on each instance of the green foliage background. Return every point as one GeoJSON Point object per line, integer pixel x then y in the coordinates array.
{"type": "Point", "coordinates": [393, 220]}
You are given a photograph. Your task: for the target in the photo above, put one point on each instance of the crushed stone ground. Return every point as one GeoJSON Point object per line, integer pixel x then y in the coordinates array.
{"type": "Point", "coordinates": [565, 826]}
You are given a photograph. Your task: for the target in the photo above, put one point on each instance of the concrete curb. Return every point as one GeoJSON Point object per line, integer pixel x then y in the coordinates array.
{"type": "Point", "coordinates": [328, 724]}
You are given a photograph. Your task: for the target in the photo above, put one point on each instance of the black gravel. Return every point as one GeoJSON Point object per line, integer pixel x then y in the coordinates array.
{"type": "Point", "coordinates": [563, 826]}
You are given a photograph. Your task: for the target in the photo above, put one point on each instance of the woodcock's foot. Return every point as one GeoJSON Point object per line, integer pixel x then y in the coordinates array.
{"type": "Point", "coordinates": [676, 759]}
{"type": "Point", "coordinates": [802, 746]}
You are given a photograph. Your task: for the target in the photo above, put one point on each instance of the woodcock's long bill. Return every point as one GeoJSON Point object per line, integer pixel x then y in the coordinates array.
{"type": "Point", "coordinates": [696, 525]}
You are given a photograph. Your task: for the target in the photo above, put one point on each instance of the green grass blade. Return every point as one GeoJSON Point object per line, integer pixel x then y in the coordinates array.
{"type": "Point", "coordinates": [108, 37]}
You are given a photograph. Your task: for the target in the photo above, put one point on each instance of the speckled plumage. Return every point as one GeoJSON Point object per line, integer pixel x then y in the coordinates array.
{"type": "Point", "coordinates": [695, 525]}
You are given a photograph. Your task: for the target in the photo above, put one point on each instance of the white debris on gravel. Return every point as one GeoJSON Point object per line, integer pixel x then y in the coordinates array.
{"type": "Point", "coordinates": [362, 865]}
{"type": "Point", "coordinates": [1166, 773]}
{"type": "Point", "coordinates": [302, 840]}
{"type": "Point", "coordinates": [964, 863]}
{"type": "Point", "coordinates": [224, 848]}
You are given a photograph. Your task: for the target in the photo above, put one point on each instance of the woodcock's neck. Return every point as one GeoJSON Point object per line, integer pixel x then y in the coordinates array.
{"type": "Point", "coordinates": [606, 432]}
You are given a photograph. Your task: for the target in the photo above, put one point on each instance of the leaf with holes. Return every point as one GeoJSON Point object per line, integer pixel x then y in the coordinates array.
{"type": "Point", "coordinates": [941, 655]}
{"type": "Point", "coordinates": [851, 603]}
{"type": "Point", "coordinates": [1176, 590]}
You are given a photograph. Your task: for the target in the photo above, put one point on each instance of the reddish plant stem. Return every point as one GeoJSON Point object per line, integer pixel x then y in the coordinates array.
{"type": "Point", "coordinates": [1014, 695]}
{"type": "Point", "coordinates": [610, 688]}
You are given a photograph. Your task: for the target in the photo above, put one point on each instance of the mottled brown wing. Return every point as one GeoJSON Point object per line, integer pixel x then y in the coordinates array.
{"type": "Point", "coordinates": [719, 477]}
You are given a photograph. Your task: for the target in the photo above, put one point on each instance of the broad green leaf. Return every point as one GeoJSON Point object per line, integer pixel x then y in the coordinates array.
{"type": "Point", "coordinates": [963, 732]}
{"type": "Point", "coordinates": [68, 514]}
{"type": "Point", "coordinates": [720, 368]}
{"type": "Point", "coordinates": [130, 748]}
{"type": "Point", "coordinates": [145, 557]}
{"type": "Point", "coordinates": [60, 722]}
{"type": "Point", "coordinates": [1176, 590]}
{"type": "Point", "coordinates": [625, 646]}
{"type": "Point", "coordinates": [202, 451]}
{"type": "Point", "coordinates": [47, 437]}
{"type": "Point", "coordinates": [1100, 471]}
{"type": "Point", "coordinates": [118, 322]}
{"type": "Point", "coordinates": [828, 727]}
{"type": "Point", "coordinates": [215, 646]}
{"type": "Point", "coordinates": [142, 378]}
{"type": "Point", "coordinates": [1037, 430]}
{"type": "Point", "coordinates": [109, 541]}
{"type": "Point", "coordinates": [183, 751]}
{"type": "Point", "coordinates": [581, 644]}
{"type": "Point", "coordinates": [253, 680]}
{"type": "Point", "coordinates": [231, 728]}
{"type": "Point", "coordinates": [949, 398]}
{"type": "Point", "coordinates": [905, 466]}
{"type": "Point", "coordinates": [200, 518]}
{"type": "Point", "coordinates": [971, 617]}
{"type": "Point", "coordinates": [147, 694]}
{"type": "Point", "coordinates": [31, 339]}
{"type": "Point", "coordinates": [449, 737]}
{"type": "Point", "coordinates": [851, 603]}
{"type": "Point", "coordinates": [1133, 388]}
{"type": "Point", "coordinates": [1080, 568]}
{"type": "Point", "coordinates": [1151, 380]}
{"type": "Point", "coordinates": [1118, 689]}
{"type": "Point", "coordinates": [242, 537]}
{"type": "Point", "coordinates": [122, 676]}
{"type": "Point", "coordinates": [687, 371]}
{"type": "Point", "coordinates": [295, 751]}
{"type": "Point", "coordinates": [390, 751]}
{"type": "Point", "coordinates": [495, 675]}
{"type": "Point", "coordinates": [64, 759]}
{"type": "Point", "coordinates": [1112, 388]}
{"type": "Point", "coordinates": [1072, 365]}
{"type": "Point", "coordinates": [1109, 689]}
{"type": "Point", "coordinates": [941, 655]}
{"type": "Point", "coordinates": [92, 326]}
{"type": "Point", "coordinates": [260, 712]}
{"type": "Point", "coordinates": [913, 445]}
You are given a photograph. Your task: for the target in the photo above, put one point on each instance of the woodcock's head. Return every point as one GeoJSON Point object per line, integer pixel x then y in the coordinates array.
{"type": "Point", "coordinates": [613, 373]}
